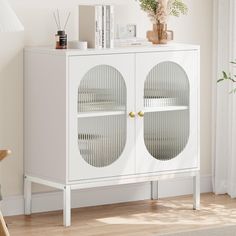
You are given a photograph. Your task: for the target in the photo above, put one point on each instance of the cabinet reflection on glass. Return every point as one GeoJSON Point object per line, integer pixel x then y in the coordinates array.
{"type": "Point", "coordinates": [101, 139]}
{"type": "Point", "coordinates": [102, 89]}
{"type": "Point", "coordinates": [166, 85]}
{"type": "Point", "coordinates": [166, 133]}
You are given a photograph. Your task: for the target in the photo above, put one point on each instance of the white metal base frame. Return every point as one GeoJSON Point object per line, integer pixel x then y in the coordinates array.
{"type": "Point", "coordinates": [27, 195]}
{"type": "Point", "coordinates": [28, 180]}
{"type": "Point", "coordinates": [196, 192]}
{"type": "Point", "coordinates": [67, 206]}
{"type": "Point", "coordinates": [154, 190]}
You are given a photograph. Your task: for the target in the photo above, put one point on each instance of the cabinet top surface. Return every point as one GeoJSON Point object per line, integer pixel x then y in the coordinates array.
{"type": "Point", "coordinates": [137, 49]}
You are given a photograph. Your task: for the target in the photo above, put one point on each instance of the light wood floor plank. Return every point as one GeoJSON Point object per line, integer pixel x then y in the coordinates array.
{"type": "Point", "coordinates": [143, 218]}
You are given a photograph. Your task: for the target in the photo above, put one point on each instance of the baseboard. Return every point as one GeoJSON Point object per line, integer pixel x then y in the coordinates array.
{"type": "Point", "coordinates": [43, 202]}
{"type": "Point", "coordinates": [180, 187]}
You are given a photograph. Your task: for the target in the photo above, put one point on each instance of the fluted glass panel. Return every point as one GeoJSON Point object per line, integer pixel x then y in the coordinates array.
{"type": "Point", "coordinates": [101, 139]}
{"type": "Point", "coordinates": [102, 134]}
{"type": "Point", "coordinates": [102, 89]}
{"type": "Point", "coordinates": [166, 102]}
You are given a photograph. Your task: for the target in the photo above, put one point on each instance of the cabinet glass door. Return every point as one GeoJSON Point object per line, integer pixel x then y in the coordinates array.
{"type": "Point", "coordinates": [167, 106]}
{"type": "Point", "coordinates": [105, 133]}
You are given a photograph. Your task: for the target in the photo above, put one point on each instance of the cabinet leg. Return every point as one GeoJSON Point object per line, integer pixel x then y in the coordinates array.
{"type": "Point", "coordinates": [196, 192]}
{"type": "Point", "coordinates": [27, 195]}
{"type": "Point", "coordinates": [67, 206]}
{"type": "Point", "coordinates": [154, 190]}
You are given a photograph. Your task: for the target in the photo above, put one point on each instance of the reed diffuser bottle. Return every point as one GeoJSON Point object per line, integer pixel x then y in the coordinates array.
{"type": "Point", "coordinates": [61, 39]}
{"type": "Point", "coordinates": [61, 36]}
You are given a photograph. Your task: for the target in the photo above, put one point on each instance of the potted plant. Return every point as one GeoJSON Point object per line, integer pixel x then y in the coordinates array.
{"type": "Point", "coordinates": [159, 11]}
{"type": "Point", "coordinates": [229, 77]}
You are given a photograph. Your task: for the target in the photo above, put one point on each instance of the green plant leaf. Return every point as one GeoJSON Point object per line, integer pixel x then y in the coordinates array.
{"type": "Point", "coordinates": [228, 77]}
{"type": "Point", "coordinates": [177, 8]}
{"type": "Point", "coordinates": [234, 81]}
{"type": "Point", "coordinates": [233, 91]}
{"type": "Point", "coordinates": [219, 80]}
{"type": "Point", "coordinates": [225, 76]}
{"type": "Point", "coordinates": [148, 5]}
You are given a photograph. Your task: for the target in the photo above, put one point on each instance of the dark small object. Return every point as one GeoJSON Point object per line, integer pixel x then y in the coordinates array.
{"type": "Point", "coordinates": [61, 36]}
{"type": "Point", "coordinates": [61, 39]}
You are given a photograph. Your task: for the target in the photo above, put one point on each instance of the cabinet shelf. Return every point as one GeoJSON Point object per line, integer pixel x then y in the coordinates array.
{"type": "Point", "coordinates": [100, 113]}
{"type": "Point", "coordinates": [167, 108]}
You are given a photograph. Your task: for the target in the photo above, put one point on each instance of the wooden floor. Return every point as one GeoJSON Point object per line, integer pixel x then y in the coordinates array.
{"type": "Point", "coordinates": [143, 218]}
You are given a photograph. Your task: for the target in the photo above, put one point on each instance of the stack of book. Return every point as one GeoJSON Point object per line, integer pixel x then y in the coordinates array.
{"type": "Point", "coordinates": [96, 25]}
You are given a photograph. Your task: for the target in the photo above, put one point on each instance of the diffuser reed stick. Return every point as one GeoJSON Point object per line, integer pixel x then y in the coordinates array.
{"type": "Point", "coordinates": [67, 20]}
{"type": "Point", "coordinates": [56, 16]}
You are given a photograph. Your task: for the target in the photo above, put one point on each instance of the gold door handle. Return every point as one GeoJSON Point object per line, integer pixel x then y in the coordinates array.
{"type": "Point", "coordinates": [141, 114]}
{"type": "Point", "coordinates": [132, 114]}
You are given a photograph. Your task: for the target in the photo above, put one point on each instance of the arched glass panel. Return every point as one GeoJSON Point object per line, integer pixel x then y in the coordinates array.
{"type": "Point", "coordinates": [102, 116]}
{"type": "Point", "coordinates": [166, 102]}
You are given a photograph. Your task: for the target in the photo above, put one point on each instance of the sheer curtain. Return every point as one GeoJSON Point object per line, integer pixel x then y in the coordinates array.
{"type": "Point", "coordinates": [224, 104]}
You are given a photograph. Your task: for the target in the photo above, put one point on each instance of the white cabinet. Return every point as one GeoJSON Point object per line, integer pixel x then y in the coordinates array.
{"type": "Point", "coordinates": [105, 117]}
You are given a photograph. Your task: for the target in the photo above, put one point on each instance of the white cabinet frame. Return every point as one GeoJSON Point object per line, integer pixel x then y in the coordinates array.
{"type": "Point", "coordinates": [51, 151]}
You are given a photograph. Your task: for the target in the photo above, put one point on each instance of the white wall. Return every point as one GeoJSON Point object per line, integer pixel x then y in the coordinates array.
{"type": "Point", "coordinates": [39, 30]}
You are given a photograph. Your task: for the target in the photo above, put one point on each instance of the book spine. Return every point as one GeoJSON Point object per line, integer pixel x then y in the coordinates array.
{"type": "Point", "coordinates": [104, 15]}
{"type": "Point", "coordinates": [112, 26]}
{"type": "Point", "coordinates": [108, 30]}
{"type": "Point", "coordinates": [98, 33]}
{"type": "Point", "coordinates": [96, 43]}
